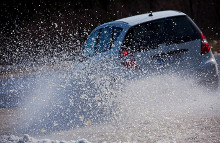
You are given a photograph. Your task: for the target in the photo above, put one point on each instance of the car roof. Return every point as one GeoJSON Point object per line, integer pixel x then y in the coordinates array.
{"type": "Point", "coordinates": [134, 20]}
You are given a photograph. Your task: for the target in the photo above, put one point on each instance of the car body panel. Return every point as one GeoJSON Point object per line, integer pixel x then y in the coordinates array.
{"type": "Point", "coordinates": [176, 56]}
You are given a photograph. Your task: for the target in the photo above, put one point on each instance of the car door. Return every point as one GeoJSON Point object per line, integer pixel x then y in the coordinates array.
{"type": "Point", "coordinates": [95, 69]}
{"type": "Point", "coordinates": [96, 50]}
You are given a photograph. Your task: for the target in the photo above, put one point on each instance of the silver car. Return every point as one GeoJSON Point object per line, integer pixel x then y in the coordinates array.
{"type": "Point", "coordinates": [153, 43]}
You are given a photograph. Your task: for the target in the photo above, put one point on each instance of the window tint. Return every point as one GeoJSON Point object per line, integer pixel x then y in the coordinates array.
{"type": "Point", "coordinates": [116, 33]}
{"type": "Point", "coordinates": [170, 30]}
{"type": "Point", "coordinates": [105, 39]}
{"type": "Point", "coordinates": [101, 40]}
{"type": "Point", "coordinates": [180, 28]}
{"type": "Point", "coordinates": [89, 48]}
{"type": "Point", "coordinates": [108, 36]}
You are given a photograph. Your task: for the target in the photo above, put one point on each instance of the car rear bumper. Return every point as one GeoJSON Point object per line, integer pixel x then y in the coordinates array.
{"type": "Point", "coordinates": [206, 73]}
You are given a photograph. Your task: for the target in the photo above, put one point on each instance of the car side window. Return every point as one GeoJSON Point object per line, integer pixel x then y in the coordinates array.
{"type": "Point", "coordinates": [116, 33]}
{"type": "Point", "coordinates": [108, 36]}
{"type": "Point", "coordinates": [89, 48]}
{"type": "Point", "coordinates": [105, 39]}
{"type": "Point", "coordinates": [101, 40]}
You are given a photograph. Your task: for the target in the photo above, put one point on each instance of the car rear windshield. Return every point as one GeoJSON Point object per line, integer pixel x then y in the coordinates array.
{"type": "Point", "coordinates": [170, 30]}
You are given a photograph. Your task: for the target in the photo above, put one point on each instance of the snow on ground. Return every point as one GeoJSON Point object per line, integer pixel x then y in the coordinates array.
{"type": "Point", "coordinates": [28, 139]}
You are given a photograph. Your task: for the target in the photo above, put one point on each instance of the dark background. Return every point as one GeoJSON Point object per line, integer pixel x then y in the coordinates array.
{"type": "Point", "coordinates": [44, 31]}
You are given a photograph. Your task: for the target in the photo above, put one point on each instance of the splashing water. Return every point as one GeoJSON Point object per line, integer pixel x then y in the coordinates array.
{"type": "Point", "coordinates": [156, 109]}
{"type": "Point", "coordinates": [55, 102]}
{"type": "Point", "coordinates": [160, 108]}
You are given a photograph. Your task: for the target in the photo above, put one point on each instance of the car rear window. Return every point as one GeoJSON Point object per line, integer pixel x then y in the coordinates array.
{"type": "Point", "coordinates": [170, 30]}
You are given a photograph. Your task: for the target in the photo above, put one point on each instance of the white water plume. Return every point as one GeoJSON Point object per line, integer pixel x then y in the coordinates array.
{"type": "Point", "coordinates": [160, 108]}
{"type": "Point", "coordinates": [163, 108]}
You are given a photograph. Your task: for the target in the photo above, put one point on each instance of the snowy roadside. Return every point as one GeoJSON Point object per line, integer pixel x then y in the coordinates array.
{"type": "Point", "coordinates": [165, 129]}
{"type": "Point", "coordinates": [158, 130]}
{"type": "Point", "coordinates": [9, 71]}
{"type": "Point", "coordinates": [28, 139]}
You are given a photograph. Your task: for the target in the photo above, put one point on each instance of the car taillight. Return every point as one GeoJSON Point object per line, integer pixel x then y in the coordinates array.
{"type": "Point", "coordinates": [127, 59]}
{"type": "Point", "coordinates": [204, 45]}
